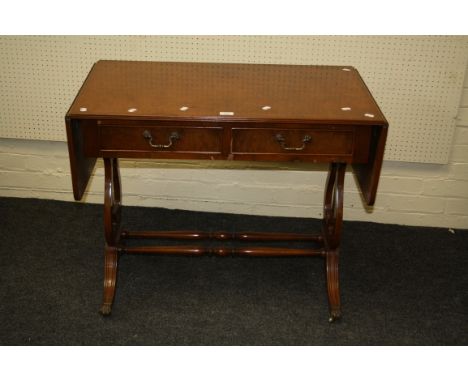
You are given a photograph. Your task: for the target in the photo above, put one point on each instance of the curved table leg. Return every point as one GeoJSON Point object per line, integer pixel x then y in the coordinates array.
{"type": "Point", "coordinates": [112, 213]}
{"type": "Point", "coordinates": [332, 223]}
{"type": "Point", "coordinates": [333, 285]}
{"type": "Point", "coordinates": [110, 278]}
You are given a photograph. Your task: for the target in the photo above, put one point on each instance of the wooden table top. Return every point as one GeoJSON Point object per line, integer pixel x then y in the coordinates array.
{"type": "Point", "coordinates": [226, 92]}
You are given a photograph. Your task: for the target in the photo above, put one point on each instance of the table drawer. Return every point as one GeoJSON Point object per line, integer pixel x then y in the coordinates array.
{"type": "Point", "coordinates": [293, 141]}
{"type": "Point", "coordinates": [161, 139]}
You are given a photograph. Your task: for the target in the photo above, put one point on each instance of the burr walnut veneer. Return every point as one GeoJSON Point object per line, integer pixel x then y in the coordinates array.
{"type": "Point", "coordinates": [174, 110]}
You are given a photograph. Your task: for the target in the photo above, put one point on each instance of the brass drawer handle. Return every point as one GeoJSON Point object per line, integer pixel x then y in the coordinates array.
{"type": "Point", "coordinates": [173, 137]}
{"type": "Point", "coordinates": [280, 139]}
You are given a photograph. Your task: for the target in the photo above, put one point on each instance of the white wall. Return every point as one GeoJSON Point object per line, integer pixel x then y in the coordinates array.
{"type": "Point", "coordinates": [409, 193]}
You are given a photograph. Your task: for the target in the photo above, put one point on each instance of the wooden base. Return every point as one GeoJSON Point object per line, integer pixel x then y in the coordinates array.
{"type": "Point", "coordinates": [222, 251]}
{"type": "Point", "coordinates": [239, 236]}
{"type": "Point", "coordinates": [327, 241]}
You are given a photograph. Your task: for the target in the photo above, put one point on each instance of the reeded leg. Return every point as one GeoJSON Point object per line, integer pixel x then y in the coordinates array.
{"type": "Point", "coordinates": [333, 285]}
{"type": "Point", "coordinates": [112, 212]}
{"type": "Point", "coordinates": [110, 277]}
{"type": "Point", "coordinates": [332, 222]}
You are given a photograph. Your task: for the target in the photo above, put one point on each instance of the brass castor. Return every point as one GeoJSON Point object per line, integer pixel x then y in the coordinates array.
{"type": "Point", "coordinates": [334, 315]}
{"type": "Point", "coordinates": [105, 310]}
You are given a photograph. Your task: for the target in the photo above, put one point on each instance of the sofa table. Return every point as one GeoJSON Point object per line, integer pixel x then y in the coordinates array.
{"type": "Point", "coordinates": [214, 111]}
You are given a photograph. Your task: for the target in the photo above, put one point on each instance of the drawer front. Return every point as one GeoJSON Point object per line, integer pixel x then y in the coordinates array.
{"type": "Point", "coordinates": [316, 142]}
{"type": "Point", "coordinates": [163, 139]}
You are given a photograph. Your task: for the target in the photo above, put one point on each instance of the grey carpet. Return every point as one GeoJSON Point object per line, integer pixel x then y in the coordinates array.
{"type": "Point", "coordinates": [400, 285]}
